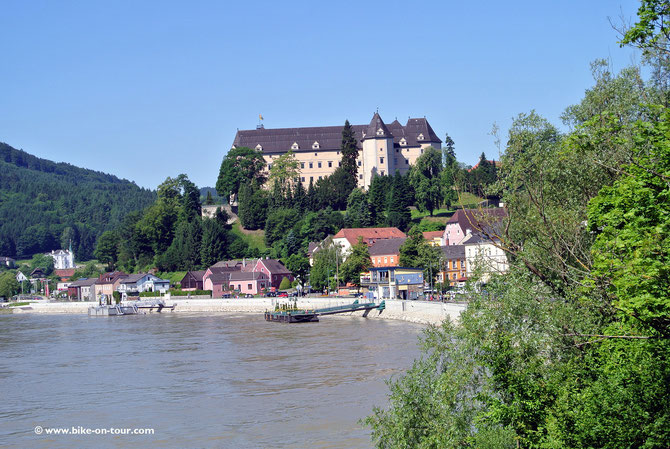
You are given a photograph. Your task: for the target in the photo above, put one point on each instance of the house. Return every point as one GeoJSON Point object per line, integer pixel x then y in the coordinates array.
{"type": "Point", "coordinates": [8, 262]}
{"type": "Point", "coordinates": [348, 237]}
{"type": "Point", "coordinates": [20, 277]}
{"type": "Point", "coordinates": [386, 252]}
{"type": "Point", "coordinates": [108, 283]}
{"type": "Point", "coordinates": [37, 274]}
{"type": "Point", "coordinates": [382, 149]}
{"type": "Point", "coordinates": [134, 284]}
{"type": "Point", "coordinates": [63, 259]}
{"type": "Point", "coordinates": [484, 256]}
{"type": "Point", "coordinates": [465, 221]}
{"type": "Point", "coordinates": [454, 269]}
{"type": "Point", "coordinates": [274, 270]}
{"type": "Point", "coordinates": [434, 238]}
{"type": "Point", "coordinates": [217, 276]}
{"type": "Point", "coordinates": [249, 282]}
{"type": "Point", "coordinates": [395, 282]}
{"type": "Point", "coordinates": [82, 289]}
{"type": "Point", "coordinates": [192, 281]}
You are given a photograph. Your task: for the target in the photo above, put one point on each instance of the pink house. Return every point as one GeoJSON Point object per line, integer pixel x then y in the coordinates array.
{"type": "Point", "coordinates": [216, 279]}
{"type": "Point", "coordinates": [249, 282]}
{"type": "Point", "coordinates": [466, 221]}
{"type": "Point", "coordinates": [274, 270]}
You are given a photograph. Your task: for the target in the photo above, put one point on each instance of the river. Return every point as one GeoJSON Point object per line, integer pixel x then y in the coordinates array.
{"type": "Point", "coordinates": [217, 380]}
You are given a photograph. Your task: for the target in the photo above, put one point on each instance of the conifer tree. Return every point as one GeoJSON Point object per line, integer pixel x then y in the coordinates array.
{"type": "Point", "coordinates": [349, 151]}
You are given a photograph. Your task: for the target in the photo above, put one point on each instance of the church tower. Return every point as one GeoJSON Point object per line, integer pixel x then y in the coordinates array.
{"type": "Point", "coordinates": [377, 153]}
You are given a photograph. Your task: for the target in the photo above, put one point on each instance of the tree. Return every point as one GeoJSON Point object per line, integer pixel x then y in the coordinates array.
{"type": "Point", "coordinates": [358, 212]}
{"type": "Point", "coordinates": [253, 205]}
{"type": "Point", "coordinates": [397, 211]}
{"type": "Point", "coordinates": [416, 252]}
{"type": "Point", "coordinates": [377, 198]}
{"type": "Point", "coordinates": [215, 239]}
{"type": "Point", "coordinates": [240, 166]}
{"type": "Point", "coordinates": [349, 151]}
{"type": "Point", "coordinates": [298, 265]}
{"type": "Point", "coordinates": [8, 284]}
{"type": "Point", "coordinates": [424, 176]}
{"type": "Point", "coordinates": [358, 261]}
{"type": "Point", "coordinates": [279, 223]}
{"type": "Point", "coordinates": [284, 170]}
{"type": "Point", "coordinates": [209, 201]}
{"type": "Point", "coordinates": [107, 249]}
{"type": "Point", "coordinates": [285, 284]}
{"type": "Point", "coordinates": [325, 266]}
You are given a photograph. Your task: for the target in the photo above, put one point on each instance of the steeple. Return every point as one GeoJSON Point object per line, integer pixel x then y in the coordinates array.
{"type": "Point", "coordinates": [377, 129]}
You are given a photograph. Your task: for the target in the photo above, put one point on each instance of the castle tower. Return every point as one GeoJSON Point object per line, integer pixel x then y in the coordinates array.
{"type": "Point", "coordinates": [377, 153]}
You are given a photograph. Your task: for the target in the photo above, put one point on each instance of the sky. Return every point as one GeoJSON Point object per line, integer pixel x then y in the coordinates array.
{"type": "Point", "coordinates": [147, 89]}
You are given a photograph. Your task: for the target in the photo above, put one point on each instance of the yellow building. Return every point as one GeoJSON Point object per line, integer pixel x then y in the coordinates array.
{"type": "Point", "coordinates": [383, 149]}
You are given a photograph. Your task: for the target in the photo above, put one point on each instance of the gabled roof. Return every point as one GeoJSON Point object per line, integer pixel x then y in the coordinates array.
{"type": "Point", "coordinates": [386, 246]}
{"type": "Point", "coordinates": [111, 277]}
{"type": "Point", "coordinates": [370, 235]}
{"type": "Point", "coordinates": [275, 267]}
{"type": "Point", "coordinates": [83, 282]}
{"type": "Point", "coordinates": [451, 252]}
{"type": "Point", "coordinates": [229, 264]}
{"type": "Point", "coordinates": [420, 126]}
{"type": "Point", "coordinates": [133, 278]}
{"type": "Point", "coordinates": [64, 272]}
{"type": "Point", "coordinates": [247, 276]}
{"type": "Point", "coordinates": [218, 278]}
{"type": "Point", "coordinates": [477, 219]}
{"type": "Point", "coordinates": [197, 275]}
{"type": "Point", "coordinates": [377, 126]}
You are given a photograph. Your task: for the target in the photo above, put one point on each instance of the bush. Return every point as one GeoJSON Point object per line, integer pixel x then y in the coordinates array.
{"type": "Point", "coordinates": [285, 284]}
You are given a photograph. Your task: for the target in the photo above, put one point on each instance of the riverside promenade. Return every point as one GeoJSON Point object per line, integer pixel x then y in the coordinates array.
{"type": "Point", "coordinates": [423, 312]}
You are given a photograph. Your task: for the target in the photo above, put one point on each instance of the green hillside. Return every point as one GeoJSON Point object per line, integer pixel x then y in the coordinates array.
{"type": "Point", "coordinates": [44, 205]}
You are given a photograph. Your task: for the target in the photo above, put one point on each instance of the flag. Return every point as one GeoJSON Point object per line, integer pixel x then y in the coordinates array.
{"type": "Point", "coordinates": [260, 117]}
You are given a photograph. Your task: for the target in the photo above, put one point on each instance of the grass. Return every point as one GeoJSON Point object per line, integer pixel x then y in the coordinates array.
{"type": "Point", "coordinates": [441, 216]}
{"type": "Point", "coordinates": [173, 276]}
{"type": "Point", "coordinates": [18, 304]}
{"type": "Point", "coordinates": [255, 239]}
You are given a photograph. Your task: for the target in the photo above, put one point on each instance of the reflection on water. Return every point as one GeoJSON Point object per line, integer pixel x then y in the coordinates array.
{"type": "Point", "coordinates": [199, 380]}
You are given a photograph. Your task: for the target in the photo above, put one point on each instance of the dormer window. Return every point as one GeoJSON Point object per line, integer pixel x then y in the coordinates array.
{"type": "Point", "coordinates": [380, 132]}
{"type": "Point", "coordinates": [295, 146]}
{"type": "Point", "coordinates": [259, 147]}
{"type": "Point", "coordinates": [419, 137]}
{"type": "Point", "coordinates": [403, 142]}
{"type": "Point", "coordinates": [315, 145]}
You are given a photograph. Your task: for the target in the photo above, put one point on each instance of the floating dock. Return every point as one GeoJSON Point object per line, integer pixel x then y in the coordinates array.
{"type": "Point", "coordinates": [129, 308]}
{"type": "Point", "coordinates": [311, 316]}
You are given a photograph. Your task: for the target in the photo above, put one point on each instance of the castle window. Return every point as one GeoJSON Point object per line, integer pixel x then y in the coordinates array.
{"type": "Point", "coordinates": [296, 179]}
{"type": "Point", "coordinates": [315, 145]}
{"type": "Point", "coordinates": [269, 166]}
{"type": "Point", "coordinates": [382, 172]}
{"type": "Point", "coordinates": [330, 164]}
{"type": "Point", "coordinates": [316, 154]}
{"type": "Point", "coordinates": [311, 165]}
{"type": "Point", "coordinates": [319, 177]}
{"type": "Point", "coordinates": [380, 132]}
{"type": "Point", "coordinates": [302, 179]}
{"type": "Point", "coordinates": [359, 163]}
{"type": "Point", "coordinates": [396, 150]}
{"type": "Point", "coordinates": [311, 178]}
{"type": "Point", "coordinates": [381, 160]}
{"type": "Point", "coordinates": [419, 137]}
{"type": "Point", "coordinates": [406, 162]}
{"type": "Point", "coordinates": [339, 164]}
{"type": "Point", "coordinates": [295, 146]}
{"type": "Point", "coordinates": [360, 176]}
{"type": "Point", "coordinates": [302, 165]}
{"type": "Point", "coordinates": [259, 147]}
{"type": "Point", "coordinates": [403, 142]}
{"type": "Point", "coordinates": [319, 164]}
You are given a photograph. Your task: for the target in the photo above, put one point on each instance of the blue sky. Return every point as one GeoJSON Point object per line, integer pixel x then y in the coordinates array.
{"type": "Point", "coordinates": [146, 90]}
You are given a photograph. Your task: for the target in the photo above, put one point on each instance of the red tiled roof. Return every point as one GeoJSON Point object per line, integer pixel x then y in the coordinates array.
{"type": "Point", "coordinates": [370, 235]}
{"type": "Point", "coordinates": [430, 235]}
{"type": "Point", "coordinates": [64, 272]}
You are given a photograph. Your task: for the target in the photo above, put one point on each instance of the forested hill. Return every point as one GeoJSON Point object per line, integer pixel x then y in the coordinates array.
{"type": "Point", "coordinates": [44, 205]}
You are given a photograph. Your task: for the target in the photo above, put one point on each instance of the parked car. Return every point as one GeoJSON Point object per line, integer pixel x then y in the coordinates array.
{"type": "Point", "coordinates": [271, 294]}
{"type": "Point", "coordinates": [282, 295]}
{"type": "Point", "coordinates": [248, 295]}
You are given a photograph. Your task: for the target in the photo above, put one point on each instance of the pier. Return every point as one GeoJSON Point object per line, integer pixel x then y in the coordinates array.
{"type": "Point", "coordinates": [311, 316]}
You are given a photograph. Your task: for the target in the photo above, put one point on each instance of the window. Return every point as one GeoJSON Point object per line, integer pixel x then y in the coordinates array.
{"type": "Point", "coordinates": [359, 163]}
{"type": "Point", "coordinates": [391, 259]}
{"type": "Point", "coordinates": [259, 147]}
{"type": "Point", "coordinates": [249, 286]}
{"type": "Point", "coordinates": [403, 142]}
{"type": "Point", "coordinates": [302, 165]}
{"type": "Point", "coordinates": [302, 179]}
{"type": "Point", "coordinates": [319, 164]}
{"type": "Point", "coordinates": [311, 178]}
{"type": "Point", "coordinates": [380, 132]}
{"type": "Point", "coordinates": [316, 154]}
{"type": "Point", "coordinates": [360, 176]}
{"type": "Point", "coordinates": [339, 164]}
{"type": "Point", "coordinates": [295, 146]}
{"type": "Point", "coordinates": [269, 166]}
{"type": "Point", "coordinates": [419, 137]}
{"type": "Point", "coordinates": [381, 160]}
{"type": "Point", "coordinates": [311, 165]}
{"type": "Point", "coordinates": [382, 172]}
{"type": "Point", "coordinates": [453, 264]}
{"type": "Point", "coordinates": [381, 149]}
{"type": "Point", "coordinates": [330, 164]}
{"type": "Point", "coordinates": [421, 150]}
{"type": "Point", "coordinates": [406, 161]}
{"type": "Point", "coordinates": [385, 259]}
{"type": "Point", "coordinates": [315, 145]}
{"type": "Point", "coordinates": [296, 179]}
{"type": "Point", "coordinates": [319, 177]}
{"type": "Point", "coordinates": [397, 150]}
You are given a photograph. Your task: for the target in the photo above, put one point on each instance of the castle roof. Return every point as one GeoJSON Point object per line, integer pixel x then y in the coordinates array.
{"type": "Point", "coordinates": [377, 129]}
{"type": "Point", "coordinates": [417, 131]}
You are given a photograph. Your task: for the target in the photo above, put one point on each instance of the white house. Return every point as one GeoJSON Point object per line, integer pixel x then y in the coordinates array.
{"type": "Point", "coordinates": [483, 256]}
{"type": "Point", "coordinates": [63, 259]}
{"type": "Point", "coordinates": [134, 284]}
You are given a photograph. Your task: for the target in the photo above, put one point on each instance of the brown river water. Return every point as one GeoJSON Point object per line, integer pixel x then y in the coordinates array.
{"type": "Point", "coordinates": [217, 380]}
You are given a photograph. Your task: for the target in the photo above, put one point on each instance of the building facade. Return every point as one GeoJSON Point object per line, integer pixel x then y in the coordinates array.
{"type": "Point", "coordinates": [383, 149]}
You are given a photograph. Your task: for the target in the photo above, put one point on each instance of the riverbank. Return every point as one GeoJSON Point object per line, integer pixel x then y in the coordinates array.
{"type": "Point", "coordinates": [421, 312]}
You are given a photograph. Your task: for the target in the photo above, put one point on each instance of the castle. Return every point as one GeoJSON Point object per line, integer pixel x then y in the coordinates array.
{"type": "Point", "coordinates": [383, 149]}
